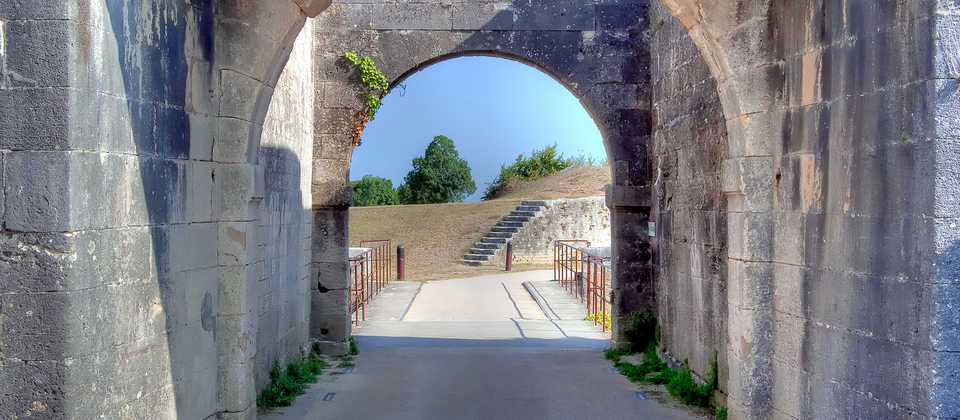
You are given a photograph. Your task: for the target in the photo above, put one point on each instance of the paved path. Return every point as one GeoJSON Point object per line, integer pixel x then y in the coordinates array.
{"type": "Point", "coordinates": [477, 348]}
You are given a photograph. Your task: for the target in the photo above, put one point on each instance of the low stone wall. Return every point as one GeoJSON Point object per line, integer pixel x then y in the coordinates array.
{"type": "Point", "coordinates": [571, 218]}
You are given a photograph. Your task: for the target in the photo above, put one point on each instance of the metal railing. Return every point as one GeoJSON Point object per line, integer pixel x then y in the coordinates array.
{"type": "Point", "coordinates": [585, 276]}
{"type": "Point", "coordinates": [370, 272]}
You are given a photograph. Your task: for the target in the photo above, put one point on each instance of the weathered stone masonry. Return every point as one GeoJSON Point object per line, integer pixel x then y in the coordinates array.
{"type": "Point", "coordinates": [834, 187]}
{"type": "Point", "coordinates": [594, 49]}
{"type": "Point", "coordinates": [800, 160]}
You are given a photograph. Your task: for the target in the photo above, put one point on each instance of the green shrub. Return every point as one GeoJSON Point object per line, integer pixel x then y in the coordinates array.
{"type": "Point", "coordinates": [541, 163]}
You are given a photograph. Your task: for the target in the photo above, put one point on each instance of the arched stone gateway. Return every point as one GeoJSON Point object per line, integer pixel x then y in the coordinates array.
{"type": "Point", "coordinates": [171, 200]}
{"type": "Point", "coordinates": [596, 51]}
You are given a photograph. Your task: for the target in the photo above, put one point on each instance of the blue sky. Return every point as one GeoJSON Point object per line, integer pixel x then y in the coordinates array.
{"type": "Point", "coordinates": [492, 108]}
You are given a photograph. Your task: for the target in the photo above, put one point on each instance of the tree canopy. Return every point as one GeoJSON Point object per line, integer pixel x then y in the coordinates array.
{"type": "Point", "coordinates": [440, 176]}
{"type": "Point", "coordinates": [374, 191]}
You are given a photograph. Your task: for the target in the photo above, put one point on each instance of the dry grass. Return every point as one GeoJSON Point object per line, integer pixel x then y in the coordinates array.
{"type": "Point", "coordinates": [437, 235]}
{"type": "Point", "coordinates": [571, 183]}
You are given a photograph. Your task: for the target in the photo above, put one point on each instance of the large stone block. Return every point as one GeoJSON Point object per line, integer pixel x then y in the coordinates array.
{"type": "Point", "coordinates": [237, 244]}
{"type": "Point", "coordinates": [199, 199]}
{"type": "Point", "coordinates": [38, 53]}
{"type": "Point", "coordinates": [947, 42]}
{"type": "Point", "coordinates": [35, 119]}
{"type": "Point", "coordinates": [386, 16]}
{"type": "Point", "coordinates": [238, 92]}
{"type": "Point", "coordinates": [329, 315]}
{"type": "Point", "coordinates": [235, 191]}
{"type": "Point", "coordinates": [233, 140]}
{"type": "Point", "coordinates": [330, 275]}
{"type": "Point", "coordinates": [37, 190]}
{"type": "Point", "coordinates": [237, 389]}
{"type": "Point", "coordinates": [946, 380]}
{"type": "Point", "coordinates": [488, 16]}
{"type": "Point", "coordinates": [32, 388]}
{"type": "Point", "coordinates": [946, 324]}
{"type": "Point", "coordinates": [238, 292]}
{"type": "Point", "coordinates": [36, 9]}
{"type": "Point", "coordinates": [203, 130]}
{"type": "Point", "coordinates": [3, 195]}
{"type": "Point", "coordinates": [194, 246]}
{"type": "Point", "coordinates": [330, 241]}
{"type": "Point", "coordinates": [564, 15]}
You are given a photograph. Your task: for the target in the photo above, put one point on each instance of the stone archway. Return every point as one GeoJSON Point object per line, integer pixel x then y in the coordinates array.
{"type": "Point", "coordinates": [141, 124]}
{"type": "Point", "coordinates": [596, 51]}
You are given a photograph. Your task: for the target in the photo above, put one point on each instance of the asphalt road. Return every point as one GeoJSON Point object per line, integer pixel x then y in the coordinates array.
{"type": "Point", "coordinates": [475, 348]}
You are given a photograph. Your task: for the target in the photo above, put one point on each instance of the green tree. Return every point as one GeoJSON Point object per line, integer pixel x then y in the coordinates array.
{"type": "Point", "coordinates": [541, 163]}
{"type": "Point", "coordinates": [374, 191]}
{"type": "Point", "coordinates": [440, 176]}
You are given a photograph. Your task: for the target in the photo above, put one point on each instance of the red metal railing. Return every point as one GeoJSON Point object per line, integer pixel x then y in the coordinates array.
{"type": "Point", "coordinates": [369, 273]}
{"type": "Point", "coordinates": [381, 259]}
{"type": "Point", "coordinates": [584, 275]}
{"type": "Point", "coordinates": [568, 264]}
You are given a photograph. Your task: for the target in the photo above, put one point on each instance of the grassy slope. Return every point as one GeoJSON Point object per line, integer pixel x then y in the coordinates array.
{"type": "Point", "coordinates": [437, 235]}
{"type": "Point", "coordinates": [571, 183]}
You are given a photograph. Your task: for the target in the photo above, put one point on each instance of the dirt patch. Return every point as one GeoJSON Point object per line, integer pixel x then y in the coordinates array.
{"type": "Point", "coordinates": [435, 235]}
{"type": "Point", "coordinates": [571, 183]}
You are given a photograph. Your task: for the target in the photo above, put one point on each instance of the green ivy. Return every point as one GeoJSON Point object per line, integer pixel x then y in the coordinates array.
{"type": "Point", "coordinates": [372, 78]}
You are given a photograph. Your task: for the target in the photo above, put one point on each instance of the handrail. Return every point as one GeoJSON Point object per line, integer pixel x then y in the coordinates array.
{"type": "Point", "coordinates": [583, 275]}
{"type": "Point", "coordinates": [370, 272]}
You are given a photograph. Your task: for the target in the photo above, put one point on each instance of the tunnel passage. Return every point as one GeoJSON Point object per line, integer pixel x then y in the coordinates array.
{"type": "Point", "coordinates": [840, 129]}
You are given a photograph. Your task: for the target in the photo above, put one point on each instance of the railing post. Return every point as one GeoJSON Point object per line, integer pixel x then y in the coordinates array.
{"type": "Point", "coordinates": [509, 256]}
{"type": "Point", "coordinates": [401, 262]}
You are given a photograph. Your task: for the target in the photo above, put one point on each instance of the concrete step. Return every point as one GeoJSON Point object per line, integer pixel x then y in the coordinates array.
{"type": "Point", "coordinates": [528, 208]}
{"type": "Point", "coordinates": [506, 229]}
{"type": "Point", "coordinates": [476, 257]}
{"type": "Point", "coordinates": [483, 251]}
{"type": "Point", "coordinates": [510, 224]}
{"type": "Point", "coordinates": [487, 246]}
{"type": "Point", "coordinates": [533, 203]}
{"type": "Point", "coordinates": [472, 262]}
{"type": "Point", "coordinates": [504, 235]}
{"type": "Point", "coordinates": [523, 213]}
{"type": "Point", "coordinates": [486, 240]}
{"type": "Point", "coordinates": [515, 219]}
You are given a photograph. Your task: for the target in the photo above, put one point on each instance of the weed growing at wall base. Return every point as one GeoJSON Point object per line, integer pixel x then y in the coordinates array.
{"type": "Point", "coordinates": [679, 382]}
{"type": "Point", "coordinates": [353, 347]}
{"type": "Point", "coordinates": [286, 384]}
{"type": "Point", "coordinates": [607, 319]}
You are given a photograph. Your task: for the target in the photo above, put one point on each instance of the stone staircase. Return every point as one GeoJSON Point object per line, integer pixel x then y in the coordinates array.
{"type": "Point", "coordinates": [496, 240]}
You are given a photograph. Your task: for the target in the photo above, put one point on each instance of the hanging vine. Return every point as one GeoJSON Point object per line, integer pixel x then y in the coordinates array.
{"type": "Point", "coordinates": [377, 82]}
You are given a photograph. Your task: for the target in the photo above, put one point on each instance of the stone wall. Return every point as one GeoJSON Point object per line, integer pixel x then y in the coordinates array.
{"type": "Point", "coordinates": [689, 147]}
{"type": "Point", "coordinates": [945, 285]}
{"type": "Point", "coordinates": [109, 275]}
{"type": "Point", "coordinates": [572, 218]}
{"type": "Point", "coordinates": [284, 224]}
{"type": "Point", "coordinates": [132, 211]}
{"type": "Point", "coordinates": [840, 232]}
